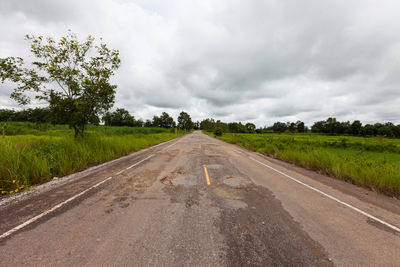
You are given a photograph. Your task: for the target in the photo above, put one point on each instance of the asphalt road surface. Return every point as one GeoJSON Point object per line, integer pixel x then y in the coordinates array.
{"type": "Point", "coordinates": [197, 201]}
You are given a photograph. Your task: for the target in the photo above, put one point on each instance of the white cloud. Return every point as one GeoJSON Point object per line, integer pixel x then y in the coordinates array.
{"type": "Point", "coordinates": [233, 60]}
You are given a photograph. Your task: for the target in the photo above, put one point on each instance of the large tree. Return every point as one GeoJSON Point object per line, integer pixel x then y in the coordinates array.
{"type": "Point", "coordinates": [185, 121]}
{"type": "Point", "coordinates": [300, 127]}
{"type": "Point", "coordinates": [279, 127]}
{"type": "Point", "coordinates": [166, 120]}
{"type": "Point", "coordinates": [250, 127]}
{"type": "Point", "coordinates": [72, 76]}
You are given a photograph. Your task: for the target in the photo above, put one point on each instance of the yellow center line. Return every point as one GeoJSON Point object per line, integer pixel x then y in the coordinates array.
{"type": "Point", "coordinates": [207, 177]}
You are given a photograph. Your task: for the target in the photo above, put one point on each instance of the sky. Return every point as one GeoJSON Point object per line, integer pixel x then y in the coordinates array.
{"type": "Point", "coordinates": [257, 61]}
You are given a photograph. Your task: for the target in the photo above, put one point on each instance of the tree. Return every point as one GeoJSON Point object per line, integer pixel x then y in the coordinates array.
{"type": "Point", "coordinates": [388, 130]}
{"type": "Point", "coordinates": [355, 127]}
{"type": "Point", "coordinates": [156, 122]}
{"type": "Point", "coordinates": [250, 127]}
{"type": "Point", "coordinates": [236, 127]}
{"type": "Point", "coordinates": [67, 74]}
{"type": "Point", "coordinates": [318, 127]}
{"type": "Point", "coordinates": [291, 126]}
{"type": "Point", "coordinates": [166, 121]}
{"type": "Point", "coordinates": [6, 114]}
{"type": "Point", "coordinates": [300, 127]}
{"type": "Point", "coordinates": [279, 127]}
{"type": "Point", "coordinates": [107, 118]}
{"type": "Point", "coordinates": [207, 125]}
{"type": "Point", "coordinates": [368, 130]}
{"type": "Point", "coordinates": [120, 117]}
{"type": "Point", "coordinates": [138, 123]}
{"type": "Point", "coordinates": [185, 121]}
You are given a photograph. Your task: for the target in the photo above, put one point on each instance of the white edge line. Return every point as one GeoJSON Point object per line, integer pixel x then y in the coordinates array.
{"type": "Point", "coordinates": [139, 162]}
{"type": "Point", "coordinates": [331, 197]}
{"type": "Point", "coordinates": [15, 229]}
{"type": "Point", "coordinates": [160, 144]}
{"type": "Point", "coordinates": [170, 145]}
{"type": "Point", "coordinates": [121, 171]}
{"type": "Point", "coordinates": [23, 195]}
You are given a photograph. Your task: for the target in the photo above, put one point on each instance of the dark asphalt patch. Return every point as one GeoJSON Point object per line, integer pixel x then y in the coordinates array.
{"type": "Point", "coordinates": [264, 234]}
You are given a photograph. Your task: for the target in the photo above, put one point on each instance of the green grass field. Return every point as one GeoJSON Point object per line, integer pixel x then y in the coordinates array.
{"type": "Point", "coordinates": [33, 154]}
{"type": "Point", "coordinates": [371, 162]}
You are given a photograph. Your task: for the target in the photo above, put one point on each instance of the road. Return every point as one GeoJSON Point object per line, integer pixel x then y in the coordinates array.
{"type": "Point", "coordinates": [197, 201]}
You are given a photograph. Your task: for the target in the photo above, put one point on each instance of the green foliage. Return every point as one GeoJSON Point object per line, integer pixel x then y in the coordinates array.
{"type": "Point", "coordinates": [279, 127]}
{"type": "Point", "coordinates": [218, 132]}
{"type": "Point", "coordinates": [68, 75]}
{"type": "Point", "coordinates": [333, 127]}
{"type": "Point", "coordinates": [121, 117]}
{"type": "Point", "coordinates": [185, 121]}
{"type": "Point", "coordinates": [370, 162]}
{"type": "Point", "coordinates": [165, 121]}
{"type": "Point", "coordinates": [33, 156]}
{"type": "Point", "coordinates": [250, 127]}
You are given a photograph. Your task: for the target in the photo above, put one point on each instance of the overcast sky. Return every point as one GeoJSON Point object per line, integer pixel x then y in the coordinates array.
{"type": "Point", "coordinates": [234, 60]}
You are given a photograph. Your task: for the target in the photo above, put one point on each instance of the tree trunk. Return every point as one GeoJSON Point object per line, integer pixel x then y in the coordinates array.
{"type": "Point", "coordinates": [76, 131]}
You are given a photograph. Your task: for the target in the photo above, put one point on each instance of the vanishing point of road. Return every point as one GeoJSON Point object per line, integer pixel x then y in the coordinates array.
{"type": "Point", "coordinates": [198, 201]}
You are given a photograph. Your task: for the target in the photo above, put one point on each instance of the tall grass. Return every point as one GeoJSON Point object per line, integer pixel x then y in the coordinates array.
{"type": "Point", "coordinates": [360, 166]}
{"type": "Point", "coordinates": [25, 128]}
{"type": "Point", "coordinates": [27, 160]}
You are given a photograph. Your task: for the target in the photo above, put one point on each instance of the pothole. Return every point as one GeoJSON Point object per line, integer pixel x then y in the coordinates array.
{"type": "Point", "coordinates": [190, 202]}
{"type": "Point", "coordinates": [167, 181]}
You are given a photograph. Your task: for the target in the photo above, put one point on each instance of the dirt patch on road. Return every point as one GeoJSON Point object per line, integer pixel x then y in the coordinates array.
{"type": "Point", "coordinates": [167, 180]}
{"type": "Point", "coordinates": [183, 194]}
{"type": "Point", "coordinates": [130, 186]}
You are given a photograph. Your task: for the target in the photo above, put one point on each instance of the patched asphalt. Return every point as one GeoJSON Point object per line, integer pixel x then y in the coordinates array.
{"type": "Point", "coordinates": [162, 213]}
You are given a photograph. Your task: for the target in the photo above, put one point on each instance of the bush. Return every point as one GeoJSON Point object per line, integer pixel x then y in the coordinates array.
{"type": "Point", "coordinates": [218, 132]}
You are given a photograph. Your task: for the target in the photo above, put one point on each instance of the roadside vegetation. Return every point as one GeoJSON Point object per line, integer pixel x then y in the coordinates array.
{"type": "Point", "coordinates": [32, 154]}
{"type": "Point", "coordinates": [370, 162]}
{"type": "Point", "coordinates": [73, 77]}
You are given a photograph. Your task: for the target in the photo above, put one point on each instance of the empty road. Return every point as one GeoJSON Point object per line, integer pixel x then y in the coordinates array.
{"type": "Point", "coordinates": [197, 201]}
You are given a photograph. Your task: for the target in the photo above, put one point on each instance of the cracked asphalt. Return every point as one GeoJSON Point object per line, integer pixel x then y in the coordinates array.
{"type": "Point", "coordinates": [162, 212]}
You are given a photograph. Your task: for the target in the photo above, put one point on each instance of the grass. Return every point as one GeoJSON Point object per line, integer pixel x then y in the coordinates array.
{"type": "Point", "coordinates": [30, 156]}
{"type": "Point", "coordinates": [369, 162]}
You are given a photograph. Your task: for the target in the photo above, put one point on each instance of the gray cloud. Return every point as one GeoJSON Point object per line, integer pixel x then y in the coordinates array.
{"type": "Point", "coordinates": [234, 60]}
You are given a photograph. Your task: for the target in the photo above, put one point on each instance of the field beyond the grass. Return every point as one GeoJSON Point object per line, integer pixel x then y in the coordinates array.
{"type": "Point", "coordinates": [33, 154]}
{"type": "Point", "coordinates": [372, 162]}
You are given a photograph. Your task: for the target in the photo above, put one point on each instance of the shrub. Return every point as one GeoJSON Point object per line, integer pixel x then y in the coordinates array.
{"type": "Point", "coordinates": [218, 132]}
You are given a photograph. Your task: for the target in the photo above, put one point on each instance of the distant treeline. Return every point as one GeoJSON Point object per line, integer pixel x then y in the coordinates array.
{"type": "Point", "coordinates": [211, 125]}
{"type": "Point", "coordinates": [37, 115]}
{"type": "Point", "coordinates": [334, 127]}
{"type": "Point", "coordinates": [121, 117]}
{"type": "Point", "coordinates": [330, 126]}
